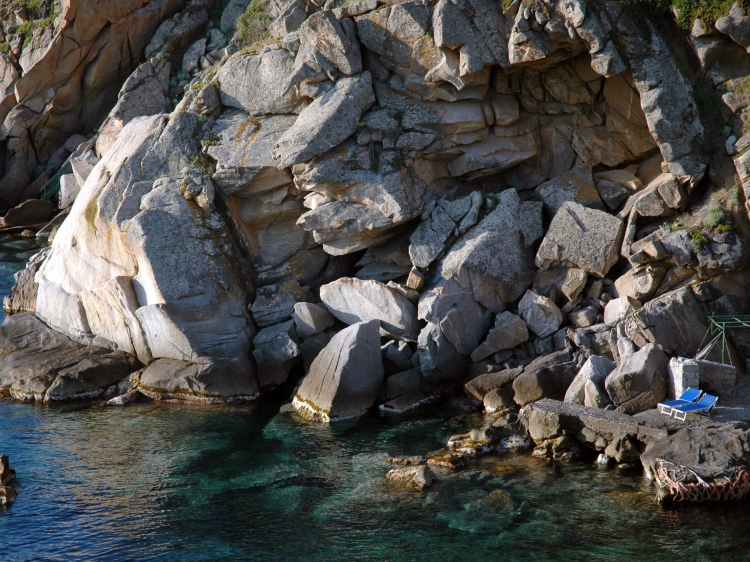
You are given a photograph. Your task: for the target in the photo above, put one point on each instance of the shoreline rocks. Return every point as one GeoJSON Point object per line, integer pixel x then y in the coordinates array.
{"type": "Point", "coordinates": [7, 475]}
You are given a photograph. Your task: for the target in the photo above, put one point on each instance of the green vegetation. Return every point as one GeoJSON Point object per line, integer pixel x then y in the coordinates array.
{"type": "Point", "coordinates": [252, 26]}
{"type": "Point", "coordinates": [707, 11]}
{"type": "Point", "coordinates": [4, 48]}
{"type": "Point", "coordinates": [33, 6]}
{"type": "Point", "coordinates": [697, 239]}
{"type": "Point", "coordinates": [717, 221]}
{"type": "Point", "coordinates": [27, 28]}
{"type": "Point", "coordinates": [204, 163]}
{"type": "Point", "coordinates": [361, 125]}
{"type": "Point", "coordinates": [397, 164]}
{"type": "Point", "coordinates": [714, 217]}
{"type": "Point", "coordinates": [734, 197]}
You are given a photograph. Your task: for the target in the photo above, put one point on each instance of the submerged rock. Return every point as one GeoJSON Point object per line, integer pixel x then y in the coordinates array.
{"type": "Point", "coordinates": [413, 477]}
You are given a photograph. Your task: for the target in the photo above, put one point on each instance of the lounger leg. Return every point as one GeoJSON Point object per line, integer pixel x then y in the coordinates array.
{"type": "Point", "coordinates": [677, 415]}
{"type": "Point", "coordinates": [666, 410]}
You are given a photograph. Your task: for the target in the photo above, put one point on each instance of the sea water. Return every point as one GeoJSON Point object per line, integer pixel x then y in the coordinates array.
{"type": "Point", "coordinates": [256, 482]}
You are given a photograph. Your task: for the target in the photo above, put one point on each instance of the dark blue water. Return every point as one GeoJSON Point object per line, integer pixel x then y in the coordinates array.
{"type": "Point", "coordinates": [168, 482]}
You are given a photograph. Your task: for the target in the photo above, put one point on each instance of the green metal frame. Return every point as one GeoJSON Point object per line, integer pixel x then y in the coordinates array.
{"type": "Point", "coordinates": [722, 324]}
{"type": "Point", "coordinates": [53, 184]}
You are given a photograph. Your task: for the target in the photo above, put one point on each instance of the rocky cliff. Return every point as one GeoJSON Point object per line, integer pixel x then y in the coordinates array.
{"type": "Point", "coordinates": [389, 198]}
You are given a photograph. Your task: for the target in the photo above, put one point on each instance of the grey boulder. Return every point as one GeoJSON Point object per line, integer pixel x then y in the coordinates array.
{"type": "Point", "coordinates": [492, 260]}
{"type": "Point", "coordinates": [596, 369]}
{"type": "Point", "coordinates": [276, 352]}
{"type": "Point", "coordinates": [210, 382]}
{"type": "Point", "coordinates": [581, 237]}
{"type": "Point", "coordinates": [508, 332]}
{"type": "Point", "coordinates": [640, 383]}
{"type": "Point", "coordinates": [345, 379]}
{"type": "Point", "coordinates": [327, 121]}
{"type": "Point", "coordinates": [545, 377]}
{"type": "Point", "coordinates": [311, 319]}
{"type": "Point", "coordinates": [38, 363]}
{"type": "Point", "coordinates": [541, 315]}
{"type": "Point", "coordinates": [354, 300]}
{"type": "Point", "coordinates": [254, 83]}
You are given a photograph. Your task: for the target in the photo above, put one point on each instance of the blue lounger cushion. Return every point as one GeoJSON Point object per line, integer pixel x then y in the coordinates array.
{"type": "Point", "coordinates": [687, 397]}
{"type": "Point", "coordinates": [706, 403]}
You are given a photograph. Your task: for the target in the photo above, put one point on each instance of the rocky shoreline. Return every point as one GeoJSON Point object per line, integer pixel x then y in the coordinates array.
{"type": "Point", "coordinates": [383, 203]}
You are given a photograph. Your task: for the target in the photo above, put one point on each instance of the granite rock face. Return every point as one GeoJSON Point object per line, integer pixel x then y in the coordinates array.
{"type": "Point", "coordinates": [492, 188]}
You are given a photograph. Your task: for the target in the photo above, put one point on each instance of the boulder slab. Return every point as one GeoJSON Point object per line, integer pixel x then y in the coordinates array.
{"type": "Point", "coordinates": [345, 378]}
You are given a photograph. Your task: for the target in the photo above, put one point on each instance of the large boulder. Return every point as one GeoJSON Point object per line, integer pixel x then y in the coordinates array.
{"type": "Point", "coordinates": [456, 324]}
{"type": "Point", "coordinates": [255, 83]}
{"type": "Point", "coordinates": [675, 321]}
{"type": "Point", "coordinates": [575, 185]}
{"type": "Point", "coordinates": [541, 314]}
{"type": "Point", "coordinates": [276, 352]}
{"type": "Point", "coordinates": [243, 150]}
{"type": "Point", "coordinates": [356, 201]}
{"type": "Point", "coordinates": [545, 377]}
{"type": "Point", "coordinates": [581, 237]}
{"type": "Point", "coordinates": [311, 319]}
{"type": "Point", "coordinates": [640, 382]}
{"type": "Point", "coordinates": [202, 383]}
{"type": "Point", "coordinates": [493, 261]}
{"type": "Point", "coordinates": [327, 121]}
{"type": "Point", "coordinates": [345, 378]}
{"type": "Point", "coordinates": [596, 369]}
{"type": "Point", "coordinates": [29, 213]}
{"type": "Point", "coordinates": [38, 363]}
{"type": "Point", "coordinates": [354, 300]}
{"type": "Point", "coordinates": [482, 385]}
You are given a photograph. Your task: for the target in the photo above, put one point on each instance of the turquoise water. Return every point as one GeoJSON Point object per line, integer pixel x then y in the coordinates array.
{"type": "Point", "coordinates": [169, 482]}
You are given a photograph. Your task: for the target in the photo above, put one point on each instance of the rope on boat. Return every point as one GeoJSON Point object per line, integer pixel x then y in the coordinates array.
{"type": "Point", "coordinates": [735, 485]}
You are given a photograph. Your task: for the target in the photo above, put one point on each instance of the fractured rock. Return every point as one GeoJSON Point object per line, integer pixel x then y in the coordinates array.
{"type": "Point", "coordinates": [276, 352]}
{"type": "Point", "coordinates": [618, 309]}
{"type": "Point", "coordinates": [640, 383]}
{"type": "Point", "coordinates": [345, 379]}
{"type": "Point", "coordinates": [327, 121]}
{"type": "Point", "coordinates": [540, 314]}
{"type": "Point", "coordinates": [508, 332]}
{"type": "Point", "coordinates": [596, 369]}
{"type": "Point", "coordinates": [254, 83]}
{"type": "Point", "coordinates": [584, 238]}
{"type": "Point", "coordinates": [545, 377]}
{"type": "Point", "coordinates": [491, 260]}
{"type": "Point", "coordinates": [575, 185]}
{"type": "Point", "coordinates": [38, 363]}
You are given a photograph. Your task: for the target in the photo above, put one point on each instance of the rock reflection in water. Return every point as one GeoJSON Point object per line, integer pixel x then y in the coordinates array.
{"type": "Point", "coordinates": [165, 482]}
